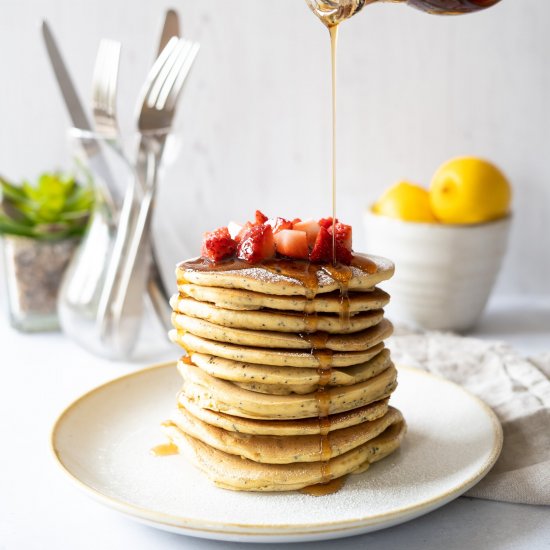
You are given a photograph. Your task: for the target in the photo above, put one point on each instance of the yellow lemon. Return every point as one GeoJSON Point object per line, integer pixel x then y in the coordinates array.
{"type": "Point", "coordinates": [405, 201]}
{"type": "Point", "coordinates": [469, 190]}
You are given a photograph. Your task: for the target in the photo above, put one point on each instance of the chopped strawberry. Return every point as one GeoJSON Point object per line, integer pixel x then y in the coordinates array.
{"type": "Point", "coordinates": [326, 222]}
{"type": "Point", "coordinates": [343, 255]}
{"type": "Point", "coordinates": [343, 234]}
{"type": "Point", "coordinates": [217, 245]}
{"type": "Point", "coordinates": [256, 244]}
{"type": "Point", "coordinates": [311, 227]}
{"type": "Point", "coordinates": [292, 243]}
{"type": "Point", "coordinates": [264, 238]}
{"type": "Point", "coordinates": [243, 230]}
{"type": "Point", "coordinates": [278, 224]}
{"type": "Point", "coordinates": [322, 250]}
{"type": "Point", "coordinates": [260, 218]}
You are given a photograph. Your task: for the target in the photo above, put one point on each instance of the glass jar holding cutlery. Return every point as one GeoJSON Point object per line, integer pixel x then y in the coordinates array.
{"type": "Point", "coordinates": [102, 296]}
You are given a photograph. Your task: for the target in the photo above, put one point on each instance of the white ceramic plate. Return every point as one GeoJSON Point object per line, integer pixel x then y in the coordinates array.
{"type": "Point", "coordinates": [103, 442]}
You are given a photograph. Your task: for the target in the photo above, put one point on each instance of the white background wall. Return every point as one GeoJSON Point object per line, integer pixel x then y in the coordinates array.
{"type": "Point", "coordinates": [254, 123]}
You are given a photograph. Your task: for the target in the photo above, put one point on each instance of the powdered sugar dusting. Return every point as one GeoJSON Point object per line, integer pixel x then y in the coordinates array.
{"type": "Point", "coordinates": [105, 442]}
{"type": "Point", "coordinates": [240, 276]}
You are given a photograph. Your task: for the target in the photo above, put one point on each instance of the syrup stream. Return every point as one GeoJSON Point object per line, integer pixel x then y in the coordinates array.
{"type": "Point", "coordinates": [333, 31]}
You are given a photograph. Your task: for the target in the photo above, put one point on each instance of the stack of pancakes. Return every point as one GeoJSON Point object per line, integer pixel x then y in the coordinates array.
{"type": "Point", "coordinates": [286, 380]}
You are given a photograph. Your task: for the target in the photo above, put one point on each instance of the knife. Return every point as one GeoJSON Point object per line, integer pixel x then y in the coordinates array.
{"type": "Point", "coordinates": [76, 112]}
{"type": "Point", "coordinates": [79, 119]}
{"type": "Point", "coordinates": [171, 28]}
{"type": "Point", "coordinates": [156, 288]}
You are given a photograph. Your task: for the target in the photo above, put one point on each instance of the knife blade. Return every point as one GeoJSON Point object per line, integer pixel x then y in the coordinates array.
{"type": "Point", "coordinates": [66, 86]}
{"type": "Point", "coordinates": [79, 119]}
{"type": "Point", "coordinates": [171, 28]}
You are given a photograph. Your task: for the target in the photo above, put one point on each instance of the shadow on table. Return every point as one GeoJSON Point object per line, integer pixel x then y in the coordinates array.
{"type": "Point", "coordinates": [515, 322]}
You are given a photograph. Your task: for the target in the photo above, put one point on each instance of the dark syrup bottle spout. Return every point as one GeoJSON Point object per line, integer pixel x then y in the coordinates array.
{"type": "Point", "coordinates": [451, 7]}
{"type": "Point", "coordinates": [333, 12]}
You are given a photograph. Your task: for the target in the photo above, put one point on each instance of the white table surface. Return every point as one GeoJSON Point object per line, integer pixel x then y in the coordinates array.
{"type": "Point", "coordinates": [40, 509]}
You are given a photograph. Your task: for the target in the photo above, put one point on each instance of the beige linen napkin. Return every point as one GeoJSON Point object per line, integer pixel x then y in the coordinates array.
{"type": "Point", "coordinates": [517, 389]}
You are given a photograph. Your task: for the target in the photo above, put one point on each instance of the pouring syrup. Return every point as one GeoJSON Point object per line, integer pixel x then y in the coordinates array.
{"type": "Point", "coordinates": [332, 13]}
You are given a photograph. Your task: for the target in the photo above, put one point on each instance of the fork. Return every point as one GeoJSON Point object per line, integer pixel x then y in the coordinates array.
{"type": "Point", "coordinates": [122, 301]}
{"type": "Point", "coordinates": [104, 89]}
{"type": "Point", "coordinates": [104, 92]}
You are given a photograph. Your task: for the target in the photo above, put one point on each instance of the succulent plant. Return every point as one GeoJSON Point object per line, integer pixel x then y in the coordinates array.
{"type": "Point", "coordinates": [56, 207]}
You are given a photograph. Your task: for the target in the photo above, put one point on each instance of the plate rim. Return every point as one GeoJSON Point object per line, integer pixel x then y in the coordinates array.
{"type": "Point", "coordinates": [278, 530]}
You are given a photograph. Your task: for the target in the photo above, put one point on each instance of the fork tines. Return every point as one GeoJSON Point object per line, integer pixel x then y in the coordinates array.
{"type": "Point", "coordinates": [164, 84]}
{"type": "Point", "coordinates": [104, 88]}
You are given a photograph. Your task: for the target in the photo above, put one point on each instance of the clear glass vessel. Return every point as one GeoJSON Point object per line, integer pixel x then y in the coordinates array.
{"type": "Point", "coordinates": [33, 271]}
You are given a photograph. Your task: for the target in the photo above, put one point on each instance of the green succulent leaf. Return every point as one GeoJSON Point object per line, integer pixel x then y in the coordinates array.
{"type": "Point", "coordinates": [57, 206]}
{"type": "Point", "coordinates": [7, 225]}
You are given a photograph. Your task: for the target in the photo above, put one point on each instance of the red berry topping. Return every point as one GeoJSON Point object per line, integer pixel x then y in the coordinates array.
{"type": "Point", "coordinates": [260, 218]}
{"type": "Point", "coordinates": [256, 244]}
{"type": "Point", "coordinates": [264, 238]}
{"type": "Point", "coordinates": [278, 224]}
{"type": "Point", "coordinates": [217, 245]}
{"type": "Point", "coordinates": [311, 227]}
{"type": "Point", "coordinates": [326, 222]}
{"type": "Point", "coordinates": [322, 250]}
{"type": "Point", "coordinates": [292, 243]}
{"type": "Point", "coordinates": [243, 230]}
{"type": "Point", "coordinates": [343, 255]}
{"type": "Point", "coordinates": [343, 234]}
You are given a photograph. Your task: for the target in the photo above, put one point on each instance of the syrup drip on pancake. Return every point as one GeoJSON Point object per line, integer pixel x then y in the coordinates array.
{"type": "Point", "coordinates": [318, 341]}
{"type": "Point", "coordinates": [301, 270]}
{"type": "Point", "coordinates": [342, 275]}
{"type": "Point", "coordinates": [186, 358]}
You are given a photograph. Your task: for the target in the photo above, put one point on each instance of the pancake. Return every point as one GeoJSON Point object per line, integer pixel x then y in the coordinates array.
{"type": "Point", "coordinates": [286, 382]}
{"type": "Point", "coordinates": [277, 389]}
{"type": "Point", "coordinates": [219, 395]}
{"type": "Point", "coordinates": [229, 298]}
{"type": "Point", "coordinates": [241, 474]}
{"type": "Point", "coordinates": [358, 341]}
{"type": "Point", "coordinates": [305, 426]}
{"type": "Point", "coordinates": [273, 320]}
{"type": "Point", "coordinates": [290, 278]}
{"type": "Point", "coordinates": [299, 380]}
{"type": "Point", "coordinates": [274, 449]}
{"type": "Point", "coordinates": [265, 356]}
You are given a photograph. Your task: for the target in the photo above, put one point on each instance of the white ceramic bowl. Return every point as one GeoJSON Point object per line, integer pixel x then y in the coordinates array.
{"type": "Point", "coordinates": [444, 274]}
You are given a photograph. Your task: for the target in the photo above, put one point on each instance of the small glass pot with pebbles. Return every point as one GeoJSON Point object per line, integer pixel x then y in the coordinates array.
{"type": "Point", "coordinates": [41, 225]}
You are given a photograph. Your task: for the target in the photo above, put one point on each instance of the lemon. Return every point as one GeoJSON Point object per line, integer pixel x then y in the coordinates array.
{"type": "Point", "coordinates": [469, 190]}
{"type": "Point", "coordinates": [405, 201]}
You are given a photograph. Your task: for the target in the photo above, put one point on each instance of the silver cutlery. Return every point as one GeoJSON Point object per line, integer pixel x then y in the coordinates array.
{"type": "Point", "coordinates": [155, 285]}
{"type": "Point", "coordinates": [110, 187]}
{"type": "Point", "coordinates": [121, 301]}
{"type": "Point", "coordinates": [104, 90]}
{"type": "Point", "coordinates": [170, 28]}
{"type": "Point", "coordinates": [79, 293]}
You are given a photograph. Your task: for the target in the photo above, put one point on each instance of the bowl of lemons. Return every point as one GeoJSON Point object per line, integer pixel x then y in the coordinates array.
{"type": "Point", "coordinates": [447, 242]}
